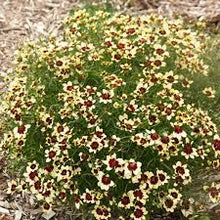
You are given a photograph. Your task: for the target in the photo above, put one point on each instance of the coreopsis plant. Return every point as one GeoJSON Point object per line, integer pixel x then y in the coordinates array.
{"type": "Point", "coordinates": [96, 119]}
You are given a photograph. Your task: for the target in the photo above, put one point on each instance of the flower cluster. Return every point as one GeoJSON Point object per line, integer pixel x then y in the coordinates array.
{"type": "Point", "coordinates": [97, 118]}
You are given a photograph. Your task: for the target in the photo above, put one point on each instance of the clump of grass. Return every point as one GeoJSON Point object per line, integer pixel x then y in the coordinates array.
{"type": "Point", "coordinates": [96, 119]}
{"type": "Point", "coordinates": [205, 91]}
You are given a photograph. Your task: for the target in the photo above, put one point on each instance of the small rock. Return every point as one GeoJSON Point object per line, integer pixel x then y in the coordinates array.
{"type": "Point", "coordinates": [48, 215]}
{"type": "Point", "coordinates": [18, 214]}
{"type": "Point", "coordinates": [4, 211]}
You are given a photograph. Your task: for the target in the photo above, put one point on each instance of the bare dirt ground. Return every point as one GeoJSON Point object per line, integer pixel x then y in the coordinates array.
{"type": "Point", "coordinates": [22, 20]}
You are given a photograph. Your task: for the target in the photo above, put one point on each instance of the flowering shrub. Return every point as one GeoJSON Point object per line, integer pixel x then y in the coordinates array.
{"type": "Point", "coordinates": [97, 118]}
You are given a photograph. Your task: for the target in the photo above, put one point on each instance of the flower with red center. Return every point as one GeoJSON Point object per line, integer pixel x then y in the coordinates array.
{"type": "Point", "coordinates": [77, 201]}
{"type": "Point", "coordinates": [209, 92]}
{"type": "Point", "coordinates": [216, 145]}
{"type": "Point", "coordinates": [165, 139]}
{"type": "Point", "coordinates": [108, 43]}
{"type": "Point", "coordinates": [49, 168]}
{"type": "Point", "coordinates": [169, 204]}
{"type": "Point", "coordinates": [88, 197]}
{"type": "Point", "coordinates": [154, 136]}
{"type": "Point", "coordinates": [189, 151]}
{"type": "Point", "coordinates": [154, 181]}
{"type": "Point", "coordinates": [186, 83]}
{"type": "Point", "coordinates": [106, 96]}
{"type": "Point", "coordinates": [175, 194]}
{"type": "Point", "coordinates": [104, 181]}
{"type": "Point", "coordinates": [127, 200]}
{"type": "Point", "coordinates": [52, 153]}
{"type": "Point", "coordinates": [214, 192]}
{"type": "Point", "coordinates": [182, 173]}
{"type": "Point", "coordinates": [62, 195]}
{"type": "Point", "coordinates": [132, 168]}
{"type": "Point", "coordinates": [140, 195]}
{"type": "Point", "coordinates": [163, 177]}
{"type": "Point", "coordinates": [96, 144]}
{"type": "Point", "coordinates": [101, 212]}
{"type": "Point", "coordinates": [89, 103]}
{"type": "Point", "coordinates": [180, 170]}
{"type": "Point", "coordinates": [46, 207]}
{"type": "Point", "coordinates": [113, 162]}
{"type": "Point", "coordinates": [178, 133]}
{"type": "Point", "coordinates": [21, 130]}
{"type": "Point", "coordinates": [139, 213]}
{"type": "Point", "coordinates": [117, 57]}
{"type": "Point", "coordinates": [32, 175]}
{"type": "Point", "coordinates": [37, 185]}
{"type": "Point", "coordinates": [12, 187]}
{"type": "Point", "coordinates": [130, 31]}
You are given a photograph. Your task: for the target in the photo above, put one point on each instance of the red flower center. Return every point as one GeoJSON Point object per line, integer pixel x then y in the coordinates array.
{"type": "Point", "coordinates": [142, 90]}
{"type": "Point", "coordinates": [143, 141]}
{"type": "Point", "coordinates": [157, 63]}
{"type": "Point", "coordinates": [108, 44]}
{"type": "Point", "coordinates": [154, 136]}
{"type": "Point", "coordinates": [154, 180]}
{"type": "Point", "coordinates": [37, 185]}
{"type": "Point", "coordinates": [106, 180]}
{"type": "Point", "coordinates": [125, 200]}
{"type": "Point", "coordinates": [188, 149]}
{"type": "Point", "coordinates": [165, 140]}
{"type": "Point", "coordinates": [62, 195]}
{"type": "Point", "coordinates": [69, 88]}
{"type": "Point", "coordinates": [117, 56]}
{"type": "Point", "coordinates": [180, 170]}
{"type": "Point", "coordinates": [162, 177]}
{"type": "Point", "coordinates": [21, 129]}
{"type": "Point", "coordinates": [49, 120]}
{"type": "Point", "coordinates": [178, 130]}
{"type": "Point", "coordinates": [47, 193]}
{"type": "Point", "coordinates": [144, 177]}
{"type": "Point", "coordinates": [33, 166]}
{"type": "Point", "coordinates": [32, 175]}
{"type": "Point", "coordinates": [217, 144]}
{"type": "Point", "coordinates": [132, 166]}
{"type": "Point", "coordinates": [60, 129]}
{"type": "Point", "coordinates": [159, 51]}
{"type": "Point", "coordinates": [169, 203]}
{"type": "Point", "coordinates": [94, 145]}
{"type": "Point", "coordinates": [138, 193]}
{"type": "Point", "coordinates": [121, 46]}
{"type": "Point", "coordinates": [113, 163]}
{"type": "Point", "coordinates": [52, 154]}
{"type": "Point", "coordinates": [174, 195]}
{"type": "Point", "coordinates": [106, 96]}
{"type": "Point", "coordinates": [59, 63]}
{"type": "Point", "coordinates": [88, 103]}
{"type": "Point", "coordinates": [99, 211]}
{"type": "Point", "coordinates": [46, 206]}
{"type": "Point", "coordinates": [49, 168]}
{"type": "Point", "coordinates": [152, 118]}
{"type": "Point", "coordinates": [138, 213]}
{"type": "Point", "coordinates": [214, 192]}
{"type": "Point", "coordinates": [105, 212]}
{"type": "Point", "coordinates": [88, 197]}
{"type": "Point", "coordinates": [169, 111]}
